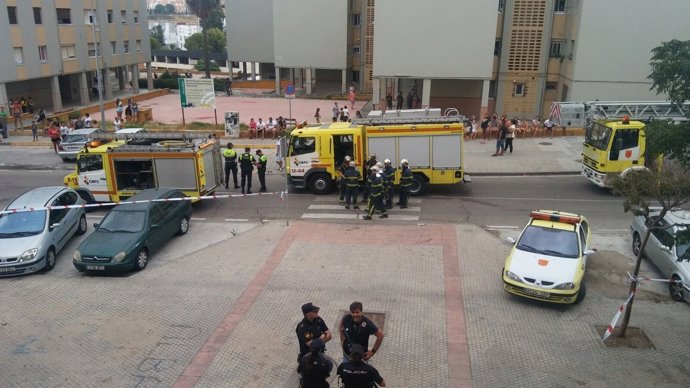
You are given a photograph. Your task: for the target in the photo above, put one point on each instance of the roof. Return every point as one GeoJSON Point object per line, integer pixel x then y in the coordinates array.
{"type": "Point", "coordinates": [37, 197]}
{"type": "Point", "coordinates": [84, 131]}
{"type": "Point", "coordinates": [680, 216]}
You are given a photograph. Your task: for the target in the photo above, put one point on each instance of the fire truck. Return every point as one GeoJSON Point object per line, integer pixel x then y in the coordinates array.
{"type": "Point", "coordinates": [615, 133]}
{"type": "Point", "coordinates": [432, 143]}
{"type": "Point", "coordinates": [118, 170]}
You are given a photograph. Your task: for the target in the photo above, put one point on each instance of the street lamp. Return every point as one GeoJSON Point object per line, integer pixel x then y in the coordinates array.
{"type": "Point", "coordinates": [99, 77]}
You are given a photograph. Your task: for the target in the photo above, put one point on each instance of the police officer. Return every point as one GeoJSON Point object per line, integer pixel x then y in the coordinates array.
{"type": "Point", "coordinates": [261, 169]}
{"type": "Point", "coordinates": [247, 162]}
{"type": "Point", "coordinates": [310, 328]}
{"type": "Point", "coordinates": [389, 176]}
{"type": "Point", "coordinates": [405, 183]}
{"type": "Point", "coordinates": [352, 178]}
{"type": "Point", "coordinates": [230, 157]}
{"type": "Point", "coordinates": [314, 367]}
{"type": "Point", "coordinates": [357, 374]}
{"type": "Point", "coordinates": [342, 184]}
{"type": "Point", "coordinates": [375, 184]}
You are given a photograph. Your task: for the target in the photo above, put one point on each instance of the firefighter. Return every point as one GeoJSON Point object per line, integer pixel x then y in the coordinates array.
{"type": "Point", "coordinates": [389, 175]}
{"type": "Point", "coordinates": [230, 156]}
{"type": "Point", "coordinates": [352, 178]}
{"type": "Point", "coordinates": [342, 184]}
{"type": "Point", "coordinates": [367, 167]}
{"type": "Point", "coordinates": [405, 183]}
{"type": "Point", "coordinates": [261, 169]}
{"type": "Point", "coordinates": [375, 183]}
{"type": "Point", "coordinates": [247, 162]}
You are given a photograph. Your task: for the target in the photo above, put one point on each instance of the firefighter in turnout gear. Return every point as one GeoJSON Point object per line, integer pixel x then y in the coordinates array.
{"type": "Point", "coordinates": [369, 164]}
{"type": "Point", "coordinates": [352, 178]}
{"type": "Point", "coordinates": [405, 183]}
{"type": "Point", "coordinates": [247, 162]}
{"type": "Point", "coordinates": [375, 184]}
{"type": "Point", "coordinates": [230, 157]}
{"type": "Point", "coordinates": [342, 183]}
{"type": "Point", "coordinates": [261, 169]}
{"type": "Point", "coordinates": [389, 175]}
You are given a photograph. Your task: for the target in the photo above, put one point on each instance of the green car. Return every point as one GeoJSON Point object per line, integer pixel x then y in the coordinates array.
{"type": "Point", "coordinates": [129, 233]}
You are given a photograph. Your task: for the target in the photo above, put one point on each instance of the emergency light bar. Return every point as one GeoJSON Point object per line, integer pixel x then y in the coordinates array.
{"type": "Point", "coordinates": [555, 216]}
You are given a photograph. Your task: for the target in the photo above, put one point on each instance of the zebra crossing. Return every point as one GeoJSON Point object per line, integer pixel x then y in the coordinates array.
{"type": "Point", "coordinates": [328, 207]}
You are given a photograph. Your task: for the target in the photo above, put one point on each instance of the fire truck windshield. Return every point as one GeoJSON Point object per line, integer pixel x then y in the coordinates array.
{"type": "Point", "coordinates": [600, 137]}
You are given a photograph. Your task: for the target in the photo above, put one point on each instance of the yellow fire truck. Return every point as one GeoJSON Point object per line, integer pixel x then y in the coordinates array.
{"type": "Point", "coordinates": [116, 171]}
{"type": "Point", "coordinates": [430, 141]}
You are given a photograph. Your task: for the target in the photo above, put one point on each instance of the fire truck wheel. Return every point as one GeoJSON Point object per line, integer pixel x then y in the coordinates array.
{"type": "Point", "coordinates": [320, 184]}
{"type": "Point", "coordinates": [419, 185]}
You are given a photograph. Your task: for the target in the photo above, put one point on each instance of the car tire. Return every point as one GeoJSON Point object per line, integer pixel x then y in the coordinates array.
{"type": "Point", "coordinates": [676, 289]}
{"type": "Point", "coordinates": [636, 244]}
{"type": "Point", "coordinates": [51, 259]}
{"type": "Point", "coordinates": [81, 226]}
{"type": "Point", "coordinates": [581, 295]}
{"type": "Point", "coordinates": [418, 186]}
{"type": "Point", "coordinates": [184, 226]}
{"type": "Point", "coordinates": [142, 259]}
{"type": "Point", "coordinates": [320, 184]}
{"type": "Point", "coordinates": [65, 159]}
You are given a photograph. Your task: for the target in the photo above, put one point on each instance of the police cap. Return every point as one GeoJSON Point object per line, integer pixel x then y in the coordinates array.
{"type": "Point", "coordinates": [356, 350]}
{"type": "Point", "coordinates": [316, 344]}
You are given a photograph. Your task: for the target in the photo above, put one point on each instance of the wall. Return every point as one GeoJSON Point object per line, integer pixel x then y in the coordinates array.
{"type": "Point", "coordinates": [249, 30]}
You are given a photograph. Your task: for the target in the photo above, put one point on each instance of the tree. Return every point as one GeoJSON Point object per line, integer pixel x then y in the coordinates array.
{"type": "Point", "coordinates": [159, 9]}
{"type": "Point", "coordinates": [157, 37]}
{"type": "Point", "coordinates": [666, 182]}
{"type": "Point", "coordinates": [215, 38]}
{"type": "Point", "coordinates": [215, 19]}
{"type": "Point", "coordinates": [203, 9]}
{"type": "Point", "coordinates": [201, 66]}
{"type": "Point", "coordinates": [169, 9]}
{"type": "Point", "coordinates": [671, 70]}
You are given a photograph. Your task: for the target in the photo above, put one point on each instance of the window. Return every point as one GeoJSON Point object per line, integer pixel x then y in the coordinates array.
{"type": "Point", "coordinates": [91, 162]}
{"type": "Point", "coordinates": [303, 145]}
{"type": "Point", "coordinates": [135, 16]}
{"type": "Point", "coordinates": [18, 55]}
{"type": "Point", "coordinates": [126, 44]}
{"type": "Point", "coordinates": [497, 47]}
{"type": "Point", "coordinates": [138, 45]}
{"type": "Point", "coordinates": [355, 49]}
{"type": "Point", "coordinates": [356, 19]}
{"type": "Point", "coordinates": [355, 76]}
{"type": "Point", "coordinates": [560, 6]}
{"type": "Point", "coordinates": [64, 15]}
{"type": "Point", "coordinates": [42, 53]}
{"type": "Point", "coordinates": [12, 14]}
{"type": "Point", "coordinates": [518, 90]}
{"type": "Point", "coordinates": [492, 89]}
{"type": "Point", "coordinates": [572, 49]}
{"type": "Point", "coordinates": [110, 16]}
{"type": "Point", "coordinates": [38, 19]}
{"type": "Point", "coordinates": [94, 49]}
{"type": "Point", "coordinates": [89, 16]}
{"type": "Point", "coordinates": [113, 48]}
{"type": "Point", "coordinates": [501, 5]}
{"type": "Point", "coordinates": [68, 52]}
{"type": "Point", "coordinates": [555, 50]}
{"type": "Point", "coordinates": [551, 86]}
{"type": "Point", "coordinates": [123, 17]}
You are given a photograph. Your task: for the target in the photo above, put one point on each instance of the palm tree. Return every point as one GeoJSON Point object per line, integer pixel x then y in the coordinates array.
{"type": "Point", "coordinates": [202, 9]}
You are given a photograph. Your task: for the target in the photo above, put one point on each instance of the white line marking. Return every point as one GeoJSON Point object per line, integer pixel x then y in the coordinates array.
{"type": "Point", "coordinates": [342, 207]}
{"type": "Point", "coordinates": [236, 219]}
{"type": "Point", "coordinates": [335, 199]}
{"type": "Point", "coordinates": [197, 219]}
{"type": "Point", "coordinates": [355, 216]}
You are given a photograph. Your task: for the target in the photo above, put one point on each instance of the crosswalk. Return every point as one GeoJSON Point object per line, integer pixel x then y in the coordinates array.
{"type": "Point", "coordinates": [328, 207]}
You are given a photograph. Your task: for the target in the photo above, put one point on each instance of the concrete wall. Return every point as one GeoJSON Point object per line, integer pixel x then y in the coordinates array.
{"type": "Point", "coordinates": [249, 30]}
{"type": "Point", "coordinates": [432, 40]}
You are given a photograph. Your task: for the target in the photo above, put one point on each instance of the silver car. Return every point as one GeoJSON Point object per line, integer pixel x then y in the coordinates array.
{"type": "Point", "coordinates": [663, 249]}
{"type": "Point", "coordinates": [76, 140]}
{"type": "Point", "coordinates": [30, 240]}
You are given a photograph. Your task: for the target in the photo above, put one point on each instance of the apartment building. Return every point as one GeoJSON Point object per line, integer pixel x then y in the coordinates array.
{"type": "Point", "coordinates": [509, 56]}
{"type": "Point", "coordinates": [53, 49]}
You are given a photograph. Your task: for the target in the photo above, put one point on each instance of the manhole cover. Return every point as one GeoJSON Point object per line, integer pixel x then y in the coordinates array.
{"type": "Point", "coordinates": [545, 143]}
{"type": "Point", "coordinates": [635, 338]}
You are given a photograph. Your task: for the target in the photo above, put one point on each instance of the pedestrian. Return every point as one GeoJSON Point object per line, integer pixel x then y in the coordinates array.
{"type": "Point", "coordinates": [252, 128]}
{"type": "Point", "coordinates": [355, 329]}
{"type": "Point", "coordinates": [41, 117]}
{"type": "Point", "coordinates": [87, 121]}
{"type": "Point", "coordinates": [389, 101]}
{"type": "Point", "coordinates": [135, 111]}
{"type": "Point", "coordinates": [54, 134]}
{"type": "Point", "coordinates": [409, 100]}
{"type": "Point", "coordinates": [117, 123]}
{"type": "Point", "coordinates": [346, 114]}
{"type": "Point", "coordinates": [475, 127]}
{"type": "Point", "coordinates": [501, 138]}
{"type": "Point", "coordinates": [358, 374]}
{"type": "Point", "coordinates": [247, 162]}
{"type": "Point", "coordinates": [230, 156]}
{"type": "Point", "coordinates": [415, 101]}
{"type": "Point", "coordinates": [375, 183]}
{"type": "Point", "coordinates": [352, 178]}
{"type": "Point", "coordinates": [314, 367]}
{"type": "Point", "coordinates": [34, 130]}
{"type": "Point", "coordinates": [389, 179]}
{"type": "Point", "coordinates": [3, 122]}
{"type": "Point", "coordinates": [405, 183]}
{"type": "Point", "coordinates": [341, 178]}
{"type": "Point", "coordinates": [279, 156]}
{"type": "Point", "coordinates": [485, 127]}
{"type": "Point", "coordinates": [317, 115]}
{"type": "Point", "coordinates": [118, 110]}
{"type": "Point", "coordinates": [128, 110]}
{"type": "Point", "coordinates": [399, 101]}
{"type": "Point", "coordinates": [536, 125]}
{"type": "Point", "coordinates": [31, 105]}
{"type": "Point", "coordinates": [261, 128]}
{"type": "Point", "coordinates": [510, 135]}
{"type": "Point", "coordinates": [16, 109]}
{"type": "Point", "coordinates": [336, 112]}
{"type": "Point", "coordinates": [64, 130]}
{"type": "Point", "coordinates": [261, 169]}
{"type": "Point", "coordinates": [548, 126]}
{"type": "Point", "coordinates": [310, 328]}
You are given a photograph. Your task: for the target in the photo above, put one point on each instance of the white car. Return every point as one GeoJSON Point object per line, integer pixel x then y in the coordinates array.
{"type": "Point", "coordinates": [663, 248]}
{"type": "Point", "coordinates": [548, 260]}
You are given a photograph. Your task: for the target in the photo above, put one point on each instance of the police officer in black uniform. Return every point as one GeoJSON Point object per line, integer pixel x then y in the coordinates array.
{"type": "Point", "coordinates": [247, 162]}
{"type": "Point", "coordinates": [310, 328]}
{"type": "Point", "coordinates": [356, 373]}
{"type": "Point", "coordinates": [315, 367]}
{"type": "Point", "coordinates": [230, 157]}
{"type": "Point", "coordinates": [261, 169]}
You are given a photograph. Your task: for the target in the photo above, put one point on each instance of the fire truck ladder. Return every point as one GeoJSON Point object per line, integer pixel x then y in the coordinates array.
{"type": "Point", "coordinates": [637, 110]}
{"type": "Point", "coordinates": [162, 136]}
{"type": "Point", "coordinates": [450, 116]}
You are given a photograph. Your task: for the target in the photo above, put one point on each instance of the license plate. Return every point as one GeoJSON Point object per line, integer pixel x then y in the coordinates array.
{"type": "Point", "coordinates": [95, 267]}
{"type": "Point", "coordinates": [541, 294]}
{"type": "Point", "coordinates": [7, 269]}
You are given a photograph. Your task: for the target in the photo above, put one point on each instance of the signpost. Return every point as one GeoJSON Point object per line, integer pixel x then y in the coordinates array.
{"type": "Point", "coordinates": [290, 94]}
{"type": "Point", "coordinates": [197, 92]}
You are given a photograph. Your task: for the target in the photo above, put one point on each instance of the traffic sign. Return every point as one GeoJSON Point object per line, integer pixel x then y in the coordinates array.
{"type": "Point", "coordinates": [290, 91]}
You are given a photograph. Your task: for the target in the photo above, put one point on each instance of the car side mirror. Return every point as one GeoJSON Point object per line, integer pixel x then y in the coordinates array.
{"type": "Point", "coordinates": [509, 240]}
{"type": "Point", "coordinates": [590, 252]}
{"type": "Point", "coordinates": [54, 225]}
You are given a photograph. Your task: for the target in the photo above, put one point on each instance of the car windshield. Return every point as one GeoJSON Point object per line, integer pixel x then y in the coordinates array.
{"type": "Point", "coordinates": [22, 224]}
{"type": "Point", "coordinates": [550, 241]}
{"type": "Point", "coordinates": [75, 138]}
{"type": "Point", "coordinates": [123, 221]}
{"type": "Point", "coordinates": [600, 137]}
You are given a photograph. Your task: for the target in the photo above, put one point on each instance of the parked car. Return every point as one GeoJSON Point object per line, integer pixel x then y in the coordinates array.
{"type": "Point", "coordinates": [549, 258]}
{"type": "Point", "coordinates": [30, 240]}
{"type": "Point", "coordinates": [130, 233]}
{"type": "Point", "coordinates": [76, 140]}
{"type": "Point", "coordinates": [664, 248]}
